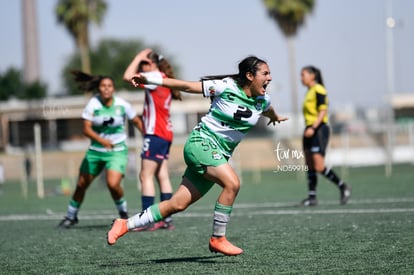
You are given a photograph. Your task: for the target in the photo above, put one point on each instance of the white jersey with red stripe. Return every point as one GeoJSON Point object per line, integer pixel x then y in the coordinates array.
{"type": "Point", "coordinates": [156, 115]}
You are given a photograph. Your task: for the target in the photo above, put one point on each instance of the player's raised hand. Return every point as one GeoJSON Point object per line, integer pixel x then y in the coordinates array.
{"type": "Point", "coordinates": [278, 119]}
{"type": "Point", "coordinates": [138, 79]}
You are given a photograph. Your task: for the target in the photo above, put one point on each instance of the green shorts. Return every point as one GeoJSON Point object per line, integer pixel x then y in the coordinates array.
{"type": "Point", "coordinates": [199, 153]}
{"type": "Point", "coordinates": [95, 161]}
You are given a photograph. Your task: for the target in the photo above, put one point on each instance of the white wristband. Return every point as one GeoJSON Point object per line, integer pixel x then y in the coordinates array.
{"type": "Point", "coordinates": [156, 80]}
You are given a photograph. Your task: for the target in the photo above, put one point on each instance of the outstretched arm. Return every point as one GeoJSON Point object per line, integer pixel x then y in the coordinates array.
{"type": "Point", "coordinates": [271, 114]}
{"type": "Point", "coordinates": [172, 83]}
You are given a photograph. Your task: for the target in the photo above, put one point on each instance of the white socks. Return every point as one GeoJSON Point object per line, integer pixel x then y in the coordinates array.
{"type": "Point", "coordinates": [141, 219]}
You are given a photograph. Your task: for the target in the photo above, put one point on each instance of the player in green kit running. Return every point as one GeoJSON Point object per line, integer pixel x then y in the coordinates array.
{"type": "Point", "coordinates": [237, 102]}
{"type": "Point", "coordinates": [104, 123]}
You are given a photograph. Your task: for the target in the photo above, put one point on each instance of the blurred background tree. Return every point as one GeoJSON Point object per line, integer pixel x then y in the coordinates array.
{"type": "Point", "coordinates": [76, 15]}
{"type": "Point", "coordinates": [12, 85]}
{"type": "Point", "coordinates": [110, 57]}
{"type": "Point", "coordinates": [290, 15]}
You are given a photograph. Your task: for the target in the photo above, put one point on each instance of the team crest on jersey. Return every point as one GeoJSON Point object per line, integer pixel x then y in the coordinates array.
{"type": "Point", "coordinates": [259, 103]}
{"type": "Point", "coordinates": [211, 90]}
{"type": "Point", "coordinates": [216, 155]}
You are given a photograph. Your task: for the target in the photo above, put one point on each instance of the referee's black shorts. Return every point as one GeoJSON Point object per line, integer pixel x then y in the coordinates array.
{"type": "Point", "coordinates": [319, 141]}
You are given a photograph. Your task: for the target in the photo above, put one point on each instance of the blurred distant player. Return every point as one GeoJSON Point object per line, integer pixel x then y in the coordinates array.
{"type": "Point", "coordinates": [104, 120]}
{"type": "Point", "coordinates": [158, 133]}
{"type": "Point", "coordinates": [316, 136]}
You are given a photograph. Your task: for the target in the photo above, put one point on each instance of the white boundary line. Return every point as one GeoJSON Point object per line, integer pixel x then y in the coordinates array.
{"type": "Point", "coordinates": [100, 216]}
{"type": "Point", "coordinates": [253, 210]}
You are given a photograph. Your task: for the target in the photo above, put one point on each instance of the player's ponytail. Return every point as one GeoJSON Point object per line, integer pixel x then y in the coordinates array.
{"type": "Point", "coordinates": [248, 65]}
{"type": "Point", "coordinates": [87, 82]}
{"type": "Point", "coordinates": [165, 67]}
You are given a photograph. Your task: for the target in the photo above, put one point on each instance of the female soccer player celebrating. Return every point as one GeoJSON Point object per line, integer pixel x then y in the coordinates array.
{"type": "Point", "coordinates": [316, 136]}
{"type": "Point", "coordinates": [104, 123]}
{"type": "Point", "coordinates": [237, 101]}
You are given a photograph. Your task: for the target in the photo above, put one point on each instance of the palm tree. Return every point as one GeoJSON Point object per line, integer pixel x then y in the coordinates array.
{"type": "Point", "coordinates": [289, 16]}
{"type": "Point", "coordinates": [76, 15]}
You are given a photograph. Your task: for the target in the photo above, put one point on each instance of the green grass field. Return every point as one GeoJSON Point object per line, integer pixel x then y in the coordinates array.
{"type": "Point", "coordinates": [373, 234]}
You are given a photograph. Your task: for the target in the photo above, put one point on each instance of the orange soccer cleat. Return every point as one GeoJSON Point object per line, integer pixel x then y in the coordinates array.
{"type": "Point", "coordinates": [222, 245]}
{"type": "Point", "coordinates": [119, 228]}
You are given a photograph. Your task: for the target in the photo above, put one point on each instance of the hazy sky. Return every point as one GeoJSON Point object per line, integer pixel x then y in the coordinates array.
{"type": "Point", "coordinates": [345, 38]}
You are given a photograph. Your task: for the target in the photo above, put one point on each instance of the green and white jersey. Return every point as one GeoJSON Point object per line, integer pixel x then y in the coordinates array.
{"type": "Point", "coordinates": [109, 122]}
{"type": "Point", "coordinates": [232, 113]}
